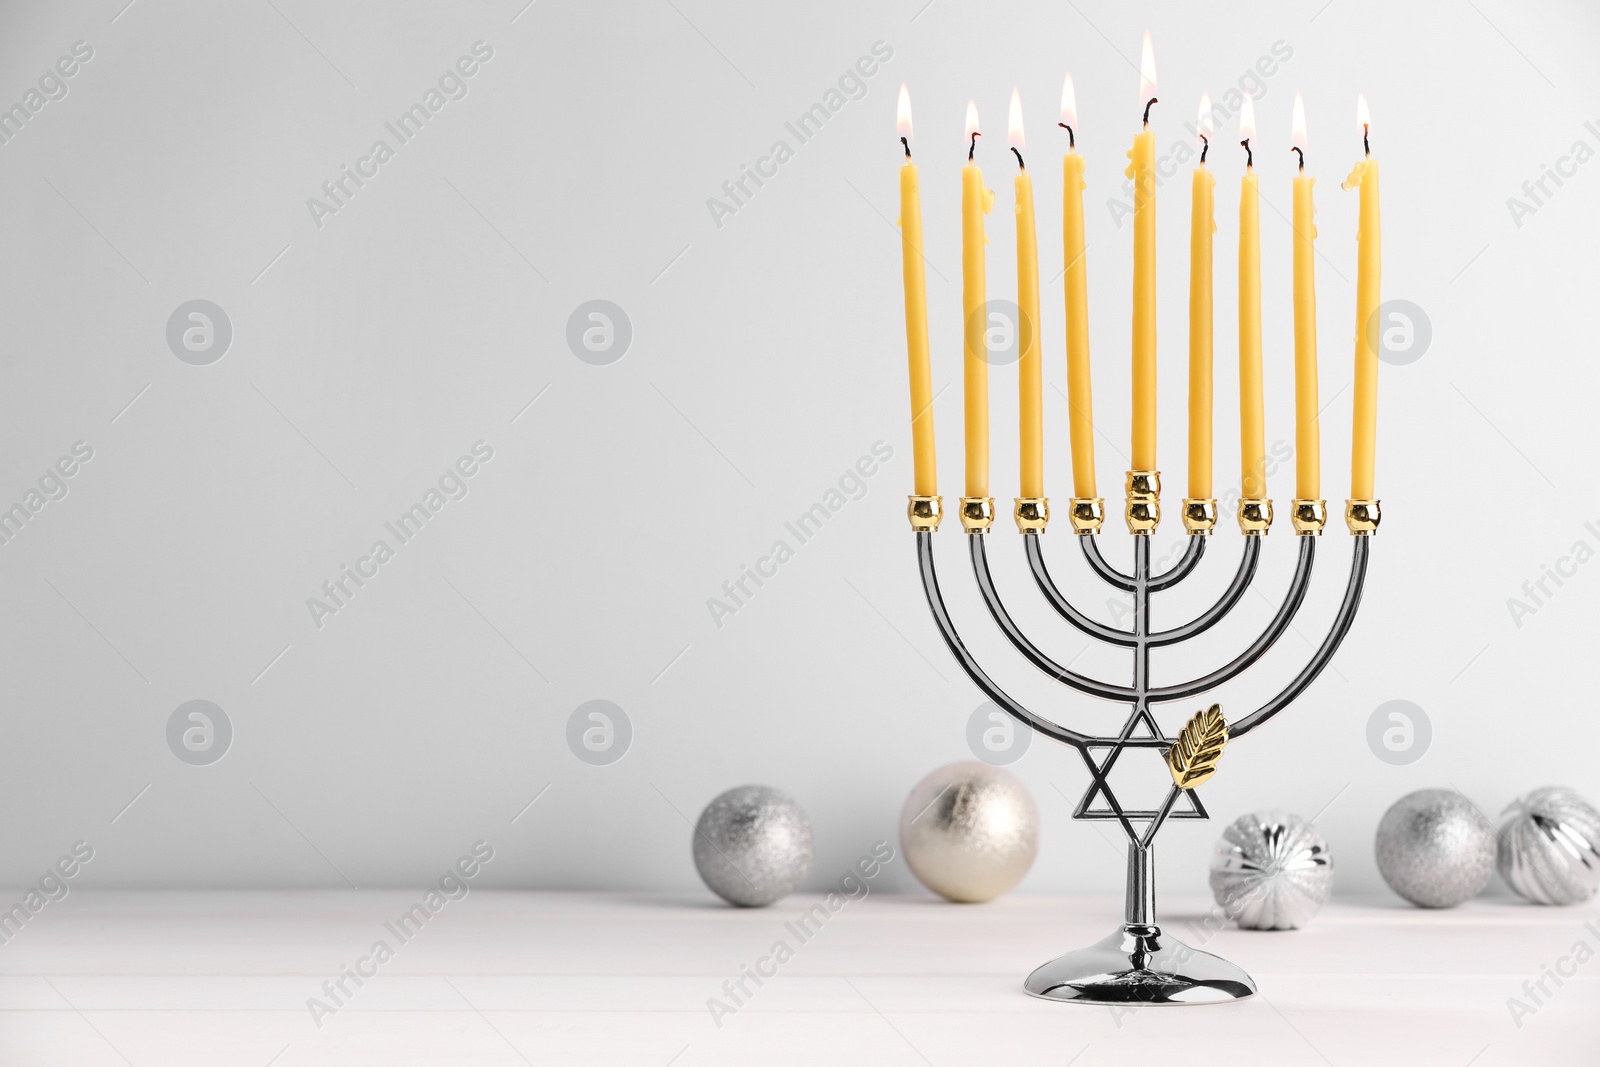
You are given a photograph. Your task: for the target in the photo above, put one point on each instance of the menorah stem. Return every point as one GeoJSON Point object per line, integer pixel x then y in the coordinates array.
{"type": "Point", "coordinates": [1141, 890]}
{"type": "Point", "coordinates": [1141, 616]}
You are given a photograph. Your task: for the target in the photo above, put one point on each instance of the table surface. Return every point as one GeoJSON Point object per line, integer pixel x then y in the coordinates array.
{"type": "Point", "coordinates": [221, 979]}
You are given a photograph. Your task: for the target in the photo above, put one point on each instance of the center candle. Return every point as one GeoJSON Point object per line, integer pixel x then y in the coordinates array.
{"type": "Point", "coordinates": [1252, 417]}
{"type": "Point", "coordinates": [1076, 291]}
{"type": "Point", "coordinates": [1202, 224]}
{"type": "Point", "coordinates": [1030, 387]}
{"type": "Point", "coordinates": [976, 202]}
{"type": "Point", "coordinates": [1142, 169]}
{"type": "Point", "coordinates": [1307, 436]}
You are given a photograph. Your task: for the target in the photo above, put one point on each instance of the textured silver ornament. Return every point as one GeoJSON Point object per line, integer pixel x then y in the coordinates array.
{"type": "Point", "coordinates": [969, 831]}
{"type": "Point", "coordinates": [752, 845]}
{"type": "Point", "coordinates": [1550, 847]}
{"type": "Point", "coordinates": [1435, 849]}
{"type": "Point", "coordinates": [1271, 871]}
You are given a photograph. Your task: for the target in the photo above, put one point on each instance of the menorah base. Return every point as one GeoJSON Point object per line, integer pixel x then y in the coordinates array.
{"type": "Point", "coordinates": [1139, 965]}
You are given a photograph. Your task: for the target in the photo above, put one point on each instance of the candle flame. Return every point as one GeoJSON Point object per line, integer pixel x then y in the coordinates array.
{"type": "Point", "coordinates": [972, 120]}
{"type": "Point", "coordinates": [1299, 136]}
{"type": "Point", "coordinates": [1203, 124]}
{"type": "Point", "coordinates": [1014, 122]}
{"type": "Point", "coordinates": [1069, 104]}
{"type": "Point", "coordinates": [1247, 119]}
{"type": "Point", "coordinates": [902, 118]}
{"type": "Point", "coordinates": [1147, 72]}
{"type": "Point", "coordinates": [1363, 116]}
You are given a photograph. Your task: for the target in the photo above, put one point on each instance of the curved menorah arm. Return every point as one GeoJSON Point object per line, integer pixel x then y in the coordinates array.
{"type": "Point", "coordinates": [1280, 622]}
{"type": "Point", "coordinates": [1230, 597]}
{"type": "Point", "coordinates": [941, 617]}
{"type": "Point", "coordinates": [1115, 578]}
{"type": "Point", "coordinates": [1108, 574]}
{"type": "Point", "coordinates": [1019, 640]}
{"type": "Point", "coordinates": [1192, 552]}
{"type": "Point", "coordinates": [1109, 634]}
{"type": "Point", "coordinates": [1324, 654]}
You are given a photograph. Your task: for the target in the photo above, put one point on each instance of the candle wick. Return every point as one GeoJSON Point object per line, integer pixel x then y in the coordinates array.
{"type": "Point", "coordinates": [1072, 138]}
{"type": "Point", "coordinates": [975, 135]}
{"type": "Point", "coordinates": [1205, 146]}
{"type": "Point", "coordinates": [1020, 164]}
{"type": "Point", "coordinates": [1299, 152]}
{"type": "Point", "coordinates": [1249, 156]}
{"type": "Point", "coordinates": [908, 147]}
{"type": "Point", "coordinates": [1366, 145]}
{"type": "Point", "coordinates": [1147, 111]}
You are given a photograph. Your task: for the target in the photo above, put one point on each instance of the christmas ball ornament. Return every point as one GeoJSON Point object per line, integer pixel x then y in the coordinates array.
{"type": "Point", "coordinates": [752, 845]}
{"type": "Point", "coordinates": [1435, 849]}
{"type": "Point", "coordinates": [1271, 871]}
{"type": "Point", "coordinates": [969, 831]}
{"type": "Point", "coordinates": [1550, 847]}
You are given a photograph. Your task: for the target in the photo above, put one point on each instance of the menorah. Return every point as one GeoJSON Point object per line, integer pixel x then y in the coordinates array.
{"type": "Point", "coordinates": [1138, 963]}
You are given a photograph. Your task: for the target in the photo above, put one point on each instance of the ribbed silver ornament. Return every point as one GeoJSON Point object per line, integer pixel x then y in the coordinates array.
{"type": "Point", "coordinates": [1271, 871]}
{"type": "Point", "coordinates": [1550, 846]}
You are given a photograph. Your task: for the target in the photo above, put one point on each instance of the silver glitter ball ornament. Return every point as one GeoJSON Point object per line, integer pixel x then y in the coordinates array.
{"type": "Point", "coordinates": [752, 845]}
{"type": "Point", "coordinates": [1550, 847]}
{"type": "Point", "coordinates": [969, 831]}
{"type": "Point", "coordinates": [1435, 849]}
{"type": "Point", "coordinates": [1271, 871]}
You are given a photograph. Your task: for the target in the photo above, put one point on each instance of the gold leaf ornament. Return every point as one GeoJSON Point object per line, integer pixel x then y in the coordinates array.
{"type": "Point", "coordinates": [1193, 757]}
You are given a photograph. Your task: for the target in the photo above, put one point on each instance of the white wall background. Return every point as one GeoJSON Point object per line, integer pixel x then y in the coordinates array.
{"type": "Point", "coordinates": [767, 356]}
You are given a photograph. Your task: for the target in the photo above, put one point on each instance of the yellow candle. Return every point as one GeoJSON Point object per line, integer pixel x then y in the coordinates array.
{"type": "Point", "coordinates": [1030, 381]}
{"type": "Point", "coordinates": [1369, 268]}
{"type": "Point", "coordinates": [1308, 443]}
{"type": "Point", "coordinates": [1077, 300]}
{"type": "Point", "coordinates": [1202, 223]}
{"type": "Point", "coordinates": [1142, 169]}
{"type": "Point", "coordinates": [976, 201]}
{"type": "Point", "coordinates": [1252, 420]}
{"type": "Point", "coordinates": [925, 478]}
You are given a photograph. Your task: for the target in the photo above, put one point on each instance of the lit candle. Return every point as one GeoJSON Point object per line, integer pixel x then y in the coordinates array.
{"type": "Point", "coordinates": [925, 478]}
{"type": "Point", "coordinates": [1252, 421]}
{"type": "Point", "coordinates": [1307, 440]}
{"type": "Point", "coordinates": [1202, 223]}
{"type": "Point", "coordinates": [1142, 169]}
{"type": "Point", "coordinates": [976, 201]}
{"type": "Point", "coordinates": [1030, 382]}
{"type": "Point", "coordinates": [1077, 298]}
{"type": "Point", "coordinates": [1369, 267]}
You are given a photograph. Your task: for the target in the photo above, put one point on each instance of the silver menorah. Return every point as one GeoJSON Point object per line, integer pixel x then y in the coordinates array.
{"type": "Point", "coordinates": [1138, 963]}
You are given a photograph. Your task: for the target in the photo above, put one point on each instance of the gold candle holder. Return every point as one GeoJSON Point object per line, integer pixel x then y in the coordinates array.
{"type": "Point", "coordinates": [1255, 516]}
{"type": "Point", "coordinates": [925, 512]}
{"type": "Point", "coordinates": [1309, 517]}
{"type": "Point", "coordinates": [1086, 514]}
{"type": "Point", "coordinates": [977, 514]}
{"type": "Point", "coordinates": [1199, 515]}
{"type": "Point", "coordinates": [1362, 516]}
{"type": "Point", "coordinates": [1144, 501]}
{"type": "Point", "coordinates": [1032, 514]}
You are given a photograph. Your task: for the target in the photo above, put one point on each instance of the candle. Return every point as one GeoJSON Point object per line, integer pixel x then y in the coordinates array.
{"type": "Point", "coordinates": [1202, 223]}
{"type": "Point", "coordinates": [1142, 169]}
{"type": "Point", "coordinates": [925, 480]}
{"type": "Point", "coordinates": [976, 201]}
{"type": "Point", "coordinates": [1252, 421]}
{"type": "Point", "coordinates": [1369, 267]}
{"type": "Point", "coordinates": [1307, 441]}
{"type": "Point", "coordinates": [1077, 300]}
{"type": "Point", "coordinates": [1030, 382]}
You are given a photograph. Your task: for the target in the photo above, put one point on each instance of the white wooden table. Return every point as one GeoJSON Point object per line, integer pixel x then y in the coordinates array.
{"type": "Point", "coordinates": [223, 979]}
